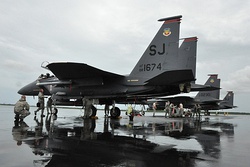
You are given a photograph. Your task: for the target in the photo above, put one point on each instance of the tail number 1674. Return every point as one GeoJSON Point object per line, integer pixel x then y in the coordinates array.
{"type": "Point", "coordinates": [150, 67]}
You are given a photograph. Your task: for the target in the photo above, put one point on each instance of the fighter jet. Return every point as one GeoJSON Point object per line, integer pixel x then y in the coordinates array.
{"type": "Point", "coordinates": [217, 104]}
{"type": "Point", "coordinates": [228, 100]}
{"type": "Point", "coordinates": [226, 103]}
{"type": "Point", "coordinates": [208, 100]}
{"type": "Point", "coordinates": [186, 55]}
{"type": "Point", "coordinates": [159, 72]}
{"type": "Point", "coordinates": [204, 98]}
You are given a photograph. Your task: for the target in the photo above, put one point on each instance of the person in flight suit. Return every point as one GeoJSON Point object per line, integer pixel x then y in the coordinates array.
{"type": "Point", "coordinates": [21, 109]}
{"type": "Point", "coordinates": [40, 103]}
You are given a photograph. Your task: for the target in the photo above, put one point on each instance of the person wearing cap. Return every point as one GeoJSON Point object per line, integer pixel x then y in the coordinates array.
{"type": "Point", "coordinates": [154, 108]}
{"type": "Point", "coordinates": [40, 103]}
{"type": "Point", "coordinates": [21, 109]}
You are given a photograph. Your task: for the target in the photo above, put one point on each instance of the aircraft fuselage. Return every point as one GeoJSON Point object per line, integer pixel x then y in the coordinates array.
{"type": "Point", "coordinates": [95, 89]}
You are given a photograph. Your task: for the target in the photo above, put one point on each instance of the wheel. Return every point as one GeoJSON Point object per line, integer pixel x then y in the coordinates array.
{"type": "Point", "coordinates": [115, 112]}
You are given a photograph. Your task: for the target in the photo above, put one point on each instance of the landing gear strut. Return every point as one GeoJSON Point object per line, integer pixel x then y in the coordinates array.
{"type": "Point", "coordinates": [89, 109]}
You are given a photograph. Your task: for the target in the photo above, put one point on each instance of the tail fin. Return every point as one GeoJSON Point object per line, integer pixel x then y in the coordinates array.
{"type": "Point", "coordinates": [187, 54]}
{"type": "Point", "coordinates": [214, 81]}
{"type": "Point", "coordinates": [228, 100]}
{"type": "Point", "coordinates": [162, 53]}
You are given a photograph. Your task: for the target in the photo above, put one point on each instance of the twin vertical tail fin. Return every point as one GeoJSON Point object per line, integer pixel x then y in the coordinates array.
{"type": "Point", "coordinates": [162, 53]}
{"type": "Point", "coordinates": [214, 81]}
{"type": "Point", "coordinates": [187, 54]}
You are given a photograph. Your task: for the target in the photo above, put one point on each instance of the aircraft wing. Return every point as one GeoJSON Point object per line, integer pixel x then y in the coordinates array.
{"type": "Point", "coordinates": [69, 70]}
{"type": "Point", "coordinates": [171, 77]}
{"type": "Point", "coordinates": [198, 87]}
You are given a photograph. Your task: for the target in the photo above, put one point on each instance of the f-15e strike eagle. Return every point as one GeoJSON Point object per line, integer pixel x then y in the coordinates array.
{"type": "Point", "coordinates": [160, 71]}
{"type": "Point", "coordinates": [208, 100]}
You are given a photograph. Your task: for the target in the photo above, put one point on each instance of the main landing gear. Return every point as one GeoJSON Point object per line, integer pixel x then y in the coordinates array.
{"type": "Point", "coordinates": [90, 110]}
{"type": "Point", "coordinates": [115, 112]}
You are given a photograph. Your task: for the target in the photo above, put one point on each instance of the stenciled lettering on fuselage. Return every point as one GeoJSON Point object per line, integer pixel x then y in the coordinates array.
{"type": "Point", "coordinates": [154, 51]}
{"type": "Point", "coordinates": [204, 94]}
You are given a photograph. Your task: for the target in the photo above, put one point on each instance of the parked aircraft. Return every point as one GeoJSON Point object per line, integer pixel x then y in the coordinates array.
{"type": "Point", "coordinates": [203, 97]}
{"type": "Point", "coordinates": [216, 104]}
{"type": "Point", "coordinates": [226, 103]}
{"type": "Point", "coordinates": [208, 100]}
{"type": "Point", "coordinates": [159, 72]}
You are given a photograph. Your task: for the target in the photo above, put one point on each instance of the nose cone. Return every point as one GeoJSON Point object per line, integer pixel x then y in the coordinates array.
{"type": "Point", "coordinates": [31, 89]}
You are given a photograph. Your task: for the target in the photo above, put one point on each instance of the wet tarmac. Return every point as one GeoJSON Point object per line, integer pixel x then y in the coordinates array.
{"type": "Point", "coordinates": [69, 140]}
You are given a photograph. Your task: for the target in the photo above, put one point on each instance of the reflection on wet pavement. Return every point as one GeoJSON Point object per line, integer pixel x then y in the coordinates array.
{"type": "Point", "coordinates": [146, 141]}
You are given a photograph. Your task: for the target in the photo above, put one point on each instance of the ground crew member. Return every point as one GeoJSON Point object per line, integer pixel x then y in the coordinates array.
{"type": "Point", "coordinates": [130, 109]}
{"type": "Point", "coordinates": [40, 103]}
{"type": "Point", "coordinates": [87, 104]}
{"type": "Point", "coordinates": [197, 109]}
{"type": "Point", "coordinates": [172, 109]}
{"type": "Point", "coordinates": [21, 109]}
{"type": "Point", "coordinates": [154, 108]}
{"type": "Point", "coordinates": [181, 109]}
{"type": "Point", "coordinates": [130, 112]}
{"type": "Point", "coordinates": [167, 108]}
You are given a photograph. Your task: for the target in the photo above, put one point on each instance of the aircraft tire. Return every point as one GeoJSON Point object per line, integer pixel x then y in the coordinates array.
{"type": "Point", "coordinates": [115, 113]}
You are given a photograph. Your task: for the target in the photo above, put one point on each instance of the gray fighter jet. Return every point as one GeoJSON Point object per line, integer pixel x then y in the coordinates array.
{"type": "Point", "coordinates": [208, 100]}
{"type": "Point", "coordinates": [204, 98]}
{"type": "Point", "coordinates": [226, 103]}
{"type": "Point", "coordinates": [159, 72]}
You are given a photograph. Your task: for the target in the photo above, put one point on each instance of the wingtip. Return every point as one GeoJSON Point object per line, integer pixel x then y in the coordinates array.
{"type": "Point", "coordinates": [170, 18]}
{"type": "Point", "coordinates": [190, 39]}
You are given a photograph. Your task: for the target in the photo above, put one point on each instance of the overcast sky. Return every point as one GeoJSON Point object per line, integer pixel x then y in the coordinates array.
{"type": "Point", "coordinates": [113, 34]}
